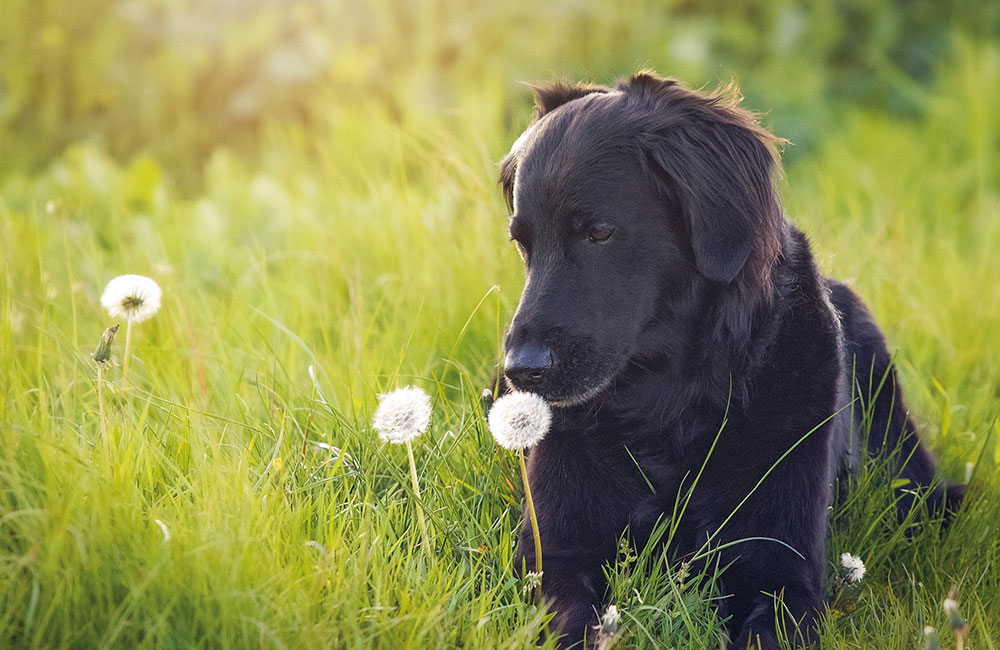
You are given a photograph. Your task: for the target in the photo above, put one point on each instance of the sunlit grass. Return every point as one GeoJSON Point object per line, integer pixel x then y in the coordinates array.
{"type": "Point", "coordinates": [245, 502]}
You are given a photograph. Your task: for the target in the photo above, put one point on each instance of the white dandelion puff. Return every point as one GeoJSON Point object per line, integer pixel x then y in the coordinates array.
{"type": "Point", "coordinates": [519, 420]}
{"type": "Point", "coordinates": [402, 415]}
{"type": "Point", "coordinates": [854, 568]}
{"type": "Point", "coordinates": [132, 297]}
{"type": "Point", "coordinates": [135, 298]}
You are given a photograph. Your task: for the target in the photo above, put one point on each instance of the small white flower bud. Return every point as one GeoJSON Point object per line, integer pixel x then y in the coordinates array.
{"type": "Point", "coordinates": [610, 620]}
{"type": "Point", "coordinates": [854, 568]}
{"type": "Point", "coordinates": [102, 354]}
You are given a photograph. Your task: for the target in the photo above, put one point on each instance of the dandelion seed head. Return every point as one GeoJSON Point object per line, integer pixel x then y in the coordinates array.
{"type": "Point", "coordinates": [950, 605]}
{"type": "Point", "coordinates": [133, 297]}
{"type": "Point", "coordinates": [402, 415]}
{"type": "Point", "coordinates": [854, 568]}
{"type": "Point", "coordinates": [519, 420]}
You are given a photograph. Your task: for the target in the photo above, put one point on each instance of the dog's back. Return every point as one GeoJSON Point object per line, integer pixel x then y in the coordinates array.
{"type": "Point", "coordinates": [878, 419]}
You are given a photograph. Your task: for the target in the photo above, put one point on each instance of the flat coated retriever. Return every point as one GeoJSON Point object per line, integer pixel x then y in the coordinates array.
{"type": "Point", "coordinates": [669, 306]}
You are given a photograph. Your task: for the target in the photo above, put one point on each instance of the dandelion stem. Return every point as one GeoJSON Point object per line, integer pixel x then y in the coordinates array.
{"type": "Point", "coordinates": [128, 352]}
{"type": "Point", "coordinates": [534, 526]}
{"type": "Point", "coordinates": [416, 492]}
{"type": "Point", "coordinates": [100, 403]}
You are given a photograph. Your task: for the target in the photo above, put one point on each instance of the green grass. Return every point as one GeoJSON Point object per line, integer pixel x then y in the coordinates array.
{"type": "Point", "coordinates": [374, 251]}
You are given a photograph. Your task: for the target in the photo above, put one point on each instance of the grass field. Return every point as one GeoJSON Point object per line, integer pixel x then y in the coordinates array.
{"type": "Point", "coordinates": [243, 499]}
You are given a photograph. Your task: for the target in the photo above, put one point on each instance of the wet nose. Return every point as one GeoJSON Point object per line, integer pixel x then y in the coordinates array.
{"type": "Point", "coordinates": [528, 366]}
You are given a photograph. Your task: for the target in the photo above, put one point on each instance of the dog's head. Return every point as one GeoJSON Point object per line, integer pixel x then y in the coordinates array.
{"type": "Point", "coordinates": [622, 200]}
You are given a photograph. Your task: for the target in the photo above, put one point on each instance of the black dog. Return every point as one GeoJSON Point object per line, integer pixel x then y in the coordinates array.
{"type": "Point", "coordinates": [665, 294]}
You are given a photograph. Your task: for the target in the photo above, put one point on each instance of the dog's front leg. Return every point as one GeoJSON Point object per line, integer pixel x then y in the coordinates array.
{"type": "Point", "coordinates": [792, 610]}
{"type": "Point", "coordinates": [580, 520]}
{"type": "Point", "coordinates": [776, 564]}
{"type": "Point", "coordinates": [573, 585]}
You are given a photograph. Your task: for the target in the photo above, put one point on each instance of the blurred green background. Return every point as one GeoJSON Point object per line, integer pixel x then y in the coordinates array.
{"type": "Point", "coordinates": [177, 79]}
{"type": "Point", "coordinates": [313, 184]}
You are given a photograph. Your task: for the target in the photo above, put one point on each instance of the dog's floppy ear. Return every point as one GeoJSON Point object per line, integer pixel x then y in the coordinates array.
{"type": "Point", "coordinates": [548, 97]}
{"type": "Point", "coordinates": [719, 162]}
{"type": "Point", "coordinates": [508, 170]}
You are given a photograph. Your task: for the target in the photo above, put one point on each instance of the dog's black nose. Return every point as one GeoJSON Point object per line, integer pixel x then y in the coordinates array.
{"type": "Point", "coordinates": [528, 366]}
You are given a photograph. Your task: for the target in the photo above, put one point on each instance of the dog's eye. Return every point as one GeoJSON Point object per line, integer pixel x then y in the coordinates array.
{"type": "Point", "coordinates": [600, 234]}
{"type": "Point", "coordinates": [520, 235]}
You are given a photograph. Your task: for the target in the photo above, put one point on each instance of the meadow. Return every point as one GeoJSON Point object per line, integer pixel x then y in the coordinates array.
{"type": "Point", "coordinates": [348, 238]}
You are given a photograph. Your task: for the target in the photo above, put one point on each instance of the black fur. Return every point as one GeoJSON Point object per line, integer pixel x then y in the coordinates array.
{"type": "Point", "coordinates": [704, 300]}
